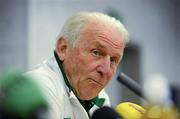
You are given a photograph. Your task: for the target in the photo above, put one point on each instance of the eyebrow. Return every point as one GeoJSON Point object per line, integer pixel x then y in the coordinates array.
{"type": "Point", "coordinates": [104, 47]}
{"type": "Point", "coordinates": [99, 45]}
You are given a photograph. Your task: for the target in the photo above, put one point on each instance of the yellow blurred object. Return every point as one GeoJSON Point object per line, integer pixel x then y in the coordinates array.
{"type": "Point", "coordinates": [159, 112]}
{"type": "Point", "coordinates": [130, 110]}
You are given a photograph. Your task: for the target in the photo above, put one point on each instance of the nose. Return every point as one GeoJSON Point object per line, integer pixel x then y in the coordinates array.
{"type": "Point", "coordinates": [104, 68]}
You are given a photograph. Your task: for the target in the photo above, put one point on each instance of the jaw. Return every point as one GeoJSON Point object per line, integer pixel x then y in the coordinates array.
{"type": "Point", "coordinates": [88, 92]}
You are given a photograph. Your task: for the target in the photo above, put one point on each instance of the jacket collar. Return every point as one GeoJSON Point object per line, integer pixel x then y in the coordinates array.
{"type": "Point", "coordinates": [87, 104]}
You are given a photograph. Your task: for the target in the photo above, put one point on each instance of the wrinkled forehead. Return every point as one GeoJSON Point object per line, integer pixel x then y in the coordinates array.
{"type": "Point", "coordinates": [100, 30]}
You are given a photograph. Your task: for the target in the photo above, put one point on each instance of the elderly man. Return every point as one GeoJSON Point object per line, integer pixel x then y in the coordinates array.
{"type": "Point", "coordinates": [88, 51]}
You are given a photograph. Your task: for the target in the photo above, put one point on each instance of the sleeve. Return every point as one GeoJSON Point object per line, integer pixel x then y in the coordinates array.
{"type": "Point", "coordinates": [46, 84]}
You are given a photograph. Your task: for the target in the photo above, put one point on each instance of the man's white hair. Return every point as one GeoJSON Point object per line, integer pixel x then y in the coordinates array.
{"type": "Point", "coordinates": [72, 27]}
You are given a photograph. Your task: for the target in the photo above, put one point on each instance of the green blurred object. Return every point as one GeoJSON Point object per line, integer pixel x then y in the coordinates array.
{"type": "Point", "coordinates": [20, 96]}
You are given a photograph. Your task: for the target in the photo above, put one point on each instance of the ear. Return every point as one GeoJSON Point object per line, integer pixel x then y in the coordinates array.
{"type": "Point", "coordinates": [61, 48]}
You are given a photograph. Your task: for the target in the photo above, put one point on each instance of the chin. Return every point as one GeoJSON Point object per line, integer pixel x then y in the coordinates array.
{"type": "Point", "coordinates": [87, 97]}
{"type": "Point", "coordinates": [88, 93]}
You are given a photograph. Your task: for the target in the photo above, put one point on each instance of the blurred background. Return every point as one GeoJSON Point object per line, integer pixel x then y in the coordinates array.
{"type": "Point", "coordinates": [28, 31]}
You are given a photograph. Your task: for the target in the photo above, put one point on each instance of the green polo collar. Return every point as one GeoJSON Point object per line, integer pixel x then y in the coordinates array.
{"type": "Point", "coordinates": [87, 104]}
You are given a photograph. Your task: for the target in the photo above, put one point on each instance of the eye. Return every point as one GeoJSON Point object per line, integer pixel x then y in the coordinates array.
{"type": "Point", "coordinates": [96, 53]}
{"type": "Point", "coordinates": [113, 61]}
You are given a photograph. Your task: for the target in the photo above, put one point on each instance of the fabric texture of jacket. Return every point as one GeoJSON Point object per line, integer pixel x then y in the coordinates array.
{"type": "Point", "coordinates": [63, 104]}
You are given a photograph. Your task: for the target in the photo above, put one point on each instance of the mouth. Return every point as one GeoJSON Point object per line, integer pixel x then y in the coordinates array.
{"type": "Point", "coordinates": [96, 82]}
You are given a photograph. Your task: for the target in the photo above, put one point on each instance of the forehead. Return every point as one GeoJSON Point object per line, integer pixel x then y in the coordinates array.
{"type": "Point", "coordinates": [104, 33]}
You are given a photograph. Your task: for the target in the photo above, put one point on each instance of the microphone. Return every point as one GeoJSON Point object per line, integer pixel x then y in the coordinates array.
{"type": "Point", "coordinates": [130, 110]}
{"type": "Point", "coordinates": [124, 110]}
{"type": "Point", "coordinates": [130, 83]}
{"type": "Point", "coordinates": [159, 112]}
{"type": "Point", "coordinates": [20, 97]}
{"type": "Point", "coordinates": [105, 113]}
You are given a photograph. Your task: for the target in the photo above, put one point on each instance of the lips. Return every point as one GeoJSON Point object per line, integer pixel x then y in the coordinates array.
{"type": "Point", "coordinates": [96, 81]}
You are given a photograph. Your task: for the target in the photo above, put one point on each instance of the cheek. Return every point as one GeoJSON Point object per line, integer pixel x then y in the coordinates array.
{"type": "Point", "coordinates": [88, 66]}
{"type": "Point", "coordinates": [85, 62]}
{"type": "Point", "coordinates": [79, 66]}
{"type": "Point", "coordinates": [114, 71]}
{"type": "Point", "coordinates": [71, 65]}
